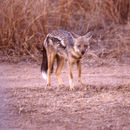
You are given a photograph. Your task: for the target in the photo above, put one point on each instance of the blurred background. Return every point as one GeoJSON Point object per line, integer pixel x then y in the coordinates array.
{"type": "Point", "coordinates": [25, 23]}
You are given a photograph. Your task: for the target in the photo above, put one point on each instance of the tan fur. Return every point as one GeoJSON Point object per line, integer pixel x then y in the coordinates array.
{"type": "Point", "coordinates": [52, 55]}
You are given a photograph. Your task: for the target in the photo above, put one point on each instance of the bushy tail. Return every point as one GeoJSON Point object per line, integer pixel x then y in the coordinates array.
{"type": "Point", "coordinates": [44, 66]}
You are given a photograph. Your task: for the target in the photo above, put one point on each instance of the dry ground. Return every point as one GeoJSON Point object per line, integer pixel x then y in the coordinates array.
{"type": "Point", "coordinates": [103, 103]}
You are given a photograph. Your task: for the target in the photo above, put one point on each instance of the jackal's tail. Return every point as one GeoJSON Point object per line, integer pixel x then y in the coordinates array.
{"type": "Point", "coordinates": [44, 65]}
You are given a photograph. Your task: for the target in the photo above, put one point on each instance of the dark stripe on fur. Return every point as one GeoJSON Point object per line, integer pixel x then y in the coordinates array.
{"type": "Point", "coordinates": [44, 65]}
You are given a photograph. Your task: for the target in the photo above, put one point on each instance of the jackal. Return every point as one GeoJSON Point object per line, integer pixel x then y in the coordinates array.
{"type": "Point", "coordinates": [61, 45]}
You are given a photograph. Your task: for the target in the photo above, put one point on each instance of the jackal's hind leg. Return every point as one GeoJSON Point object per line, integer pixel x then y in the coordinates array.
{"type": "Point", "coordinates": [51, 58]}
{"type": "Point", "coordinates": [60, 63]}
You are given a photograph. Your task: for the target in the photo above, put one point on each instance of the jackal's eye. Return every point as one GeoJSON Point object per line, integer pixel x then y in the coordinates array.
{"type": "Point", "coordinates": [79, 46]}
{"type": "Point", "coordinates": [86, 46]}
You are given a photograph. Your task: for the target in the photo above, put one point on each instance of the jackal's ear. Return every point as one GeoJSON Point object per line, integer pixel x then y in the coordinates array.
{"type": "Point", "coordinates": [75, 35]}
{"type": "Point", "coordinates": [50, 41]}
{"type": "Point", "coordinates": [88, 36]}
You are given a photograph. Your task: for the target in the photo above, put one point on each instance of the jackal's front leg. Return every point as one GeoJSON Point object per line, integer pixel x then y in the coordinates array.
{"type": "Point", "coordinates": [71, 82]}
{"type": "Point", "coordinates": [79, 72]}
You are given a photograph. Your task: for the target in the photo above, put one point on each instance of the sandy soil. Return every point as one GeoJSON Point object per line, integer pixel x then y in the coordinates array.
{"type": "Point", "coordinates": [102, 104]}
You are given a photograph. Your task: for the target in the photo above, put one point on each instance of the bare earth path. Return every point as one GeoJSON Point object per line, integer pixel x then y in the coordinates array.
{"type": "Point", "coordinates": [103, 103]}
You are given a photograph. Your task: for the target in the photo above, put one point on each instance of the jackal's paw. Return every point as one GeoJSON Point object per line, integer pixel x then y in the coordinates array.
{"type": "Point", "coordinates": [47, 86]}
{"type": "Point", "coordinates": [82, 84]}
{"type": "Point", "coordinates": [60, 86]}
{"type": "Point", "coordinates": [71, 88]}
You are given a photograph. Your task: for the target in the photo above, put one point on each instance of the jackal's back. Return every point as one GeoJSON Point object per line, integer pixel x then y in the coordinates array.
{"type": "Point", "coordinates": [65, 37]}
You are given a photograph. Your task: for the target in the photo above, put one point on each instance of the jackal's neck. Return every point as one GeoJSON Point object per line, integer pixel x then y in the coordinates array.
{"type": "Point", "coordinates": [75, 55]}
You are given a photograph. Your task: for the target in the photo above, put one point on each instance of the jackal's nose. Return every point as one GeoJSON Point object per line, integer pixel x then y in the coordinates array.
{"type": "Point", "coordinates": [82, 52]}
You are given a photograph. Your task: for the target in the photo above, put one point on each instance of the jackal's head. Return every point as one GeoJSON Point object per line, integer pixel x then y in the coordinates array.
{"type": "Point", "coordinates": [81, 43]}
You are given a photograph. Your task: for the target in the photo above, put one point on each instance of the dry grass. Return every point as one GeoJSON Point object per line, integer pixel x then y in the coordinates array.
{"type": "Point", "coordinates": [24, 24]}
{"type": "Point", "coordinates": [97, 107]}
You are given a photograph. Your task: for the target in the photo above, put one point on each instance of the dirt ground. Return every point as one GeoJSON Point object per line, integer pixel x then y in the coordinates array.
{"type": "Point", "coordinates": [102, 104]}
